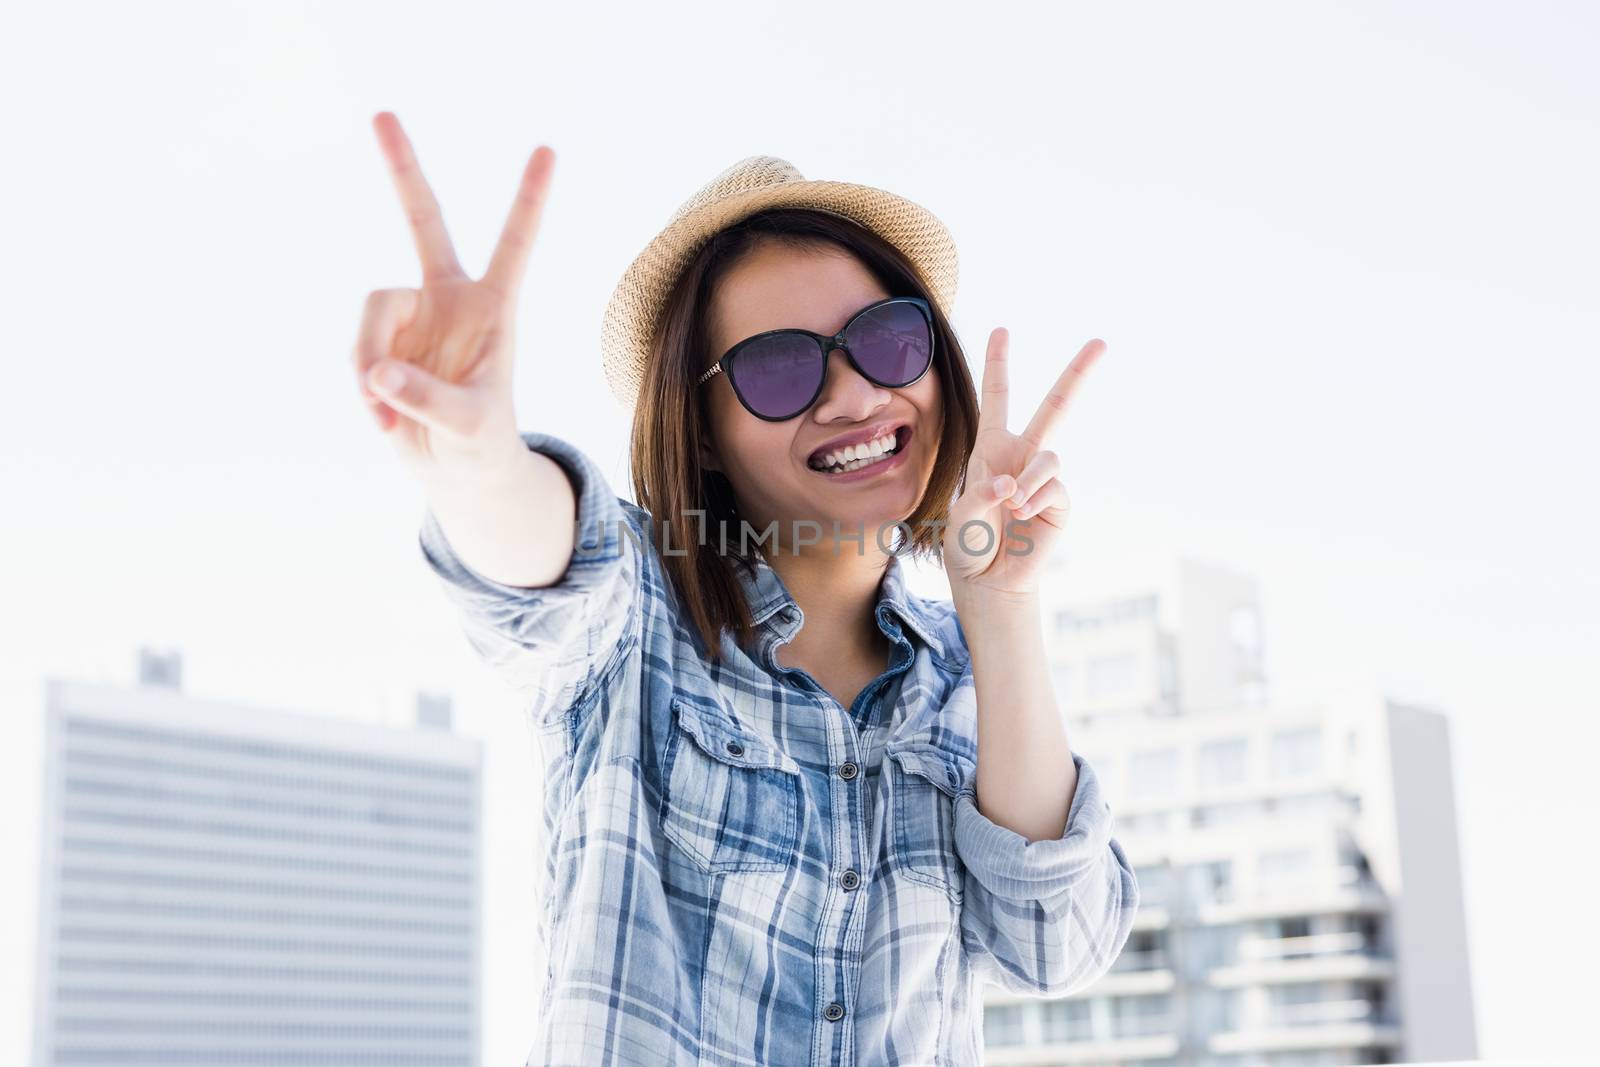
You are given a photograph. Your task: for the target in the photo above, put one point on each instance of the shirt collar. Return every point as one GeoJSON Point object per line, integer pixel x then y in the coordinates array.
{"type": "Point", "coordinates": [769, 598]}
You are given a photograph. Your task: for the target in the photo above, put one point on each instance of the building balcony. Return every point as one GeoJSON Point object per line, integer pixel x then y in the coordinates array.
{"type": "Point", "coordinates": [1111, 984]}
{"type": "Point", "coordinates": [1349, 966]}
{"type": "Point", "coordinates": [1347, 893]}
{"type": "Point", "coordinates": [1319, 1013]}
{"type": "Point", "coordinates": [1048, 1055]}
{"type": "Point", "coordinates": [1310, 946]}
{"type": "Point", "coordinates": [1333, 1035]}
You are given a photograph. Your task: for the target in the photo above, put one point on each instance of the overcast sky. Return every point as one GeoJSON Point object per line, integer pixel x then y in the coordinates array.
{"type": "Point", "coordinates": [1343, 255]}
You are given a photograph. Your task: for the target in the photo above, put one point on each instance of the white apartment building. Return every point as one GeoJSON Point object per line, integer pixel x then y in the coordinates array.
{"type": "Point", "coordinates": [226, 885]}
{"type": "Point", "coordinates": [1300, 883]}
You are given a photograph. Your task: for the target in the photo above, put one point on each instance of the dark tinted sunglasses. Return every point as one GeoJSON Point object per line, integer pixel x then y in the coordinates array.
{"type": "Point", "coordinates": [779, 374]}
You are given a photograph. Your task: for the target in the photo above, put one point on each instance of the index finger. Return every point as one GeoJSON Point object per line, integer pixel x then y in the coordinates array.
{"type": "Point", "coordinates": [1055, 401]}
{"type": "Point", "coordinates": [522, 225]}
{"type": "Point", "coordinates": [422, 210]}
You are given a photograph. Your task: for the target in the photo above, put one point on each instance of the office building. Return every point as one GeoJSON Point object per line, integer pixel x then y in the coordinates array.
{"type": "Point", "coordinates": [232, 885]}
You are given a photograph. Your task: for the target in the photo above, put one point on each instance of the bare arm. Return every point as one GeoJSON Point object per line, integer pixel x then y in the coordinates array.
{"type": "Point", "coordinates": [511, 521]}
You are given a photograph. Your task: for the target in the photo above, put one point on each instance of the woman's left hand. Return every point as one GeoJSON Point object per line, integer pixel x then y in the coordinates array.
{"type": "Point", "coordinates": [1011, 486]}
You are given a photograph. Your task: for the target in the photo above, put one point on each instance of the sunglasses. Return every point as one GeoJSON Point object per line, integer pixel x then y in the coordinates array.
{"type": "Point", "coordinates": [779, 374]}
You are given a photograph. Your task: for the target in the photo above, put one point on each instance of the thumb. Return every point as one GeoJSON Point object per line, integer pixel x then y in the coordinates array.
{"type": "Point", "coordinates": [999, 488]}
{"type": "Point", "coordinates": [412, 391]}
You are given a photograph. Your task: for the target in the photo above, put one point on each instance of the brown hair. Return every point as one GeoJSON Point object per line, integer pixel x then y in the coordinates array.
{"type": "Point", "coordinates": [670, 418]}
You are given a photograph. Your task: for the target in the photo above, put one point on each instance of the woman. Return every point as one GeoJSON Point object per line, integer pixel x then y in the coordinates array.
{"type": "Point", "coordinates": [795, 814]}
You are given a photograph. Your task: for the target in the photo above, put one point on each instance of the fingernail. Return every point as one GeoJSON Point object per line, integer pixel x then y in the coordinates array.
{"type": "Point", "coordinates": [386, 377]}
{"type": "Point", "coordinates": [1000, 485]}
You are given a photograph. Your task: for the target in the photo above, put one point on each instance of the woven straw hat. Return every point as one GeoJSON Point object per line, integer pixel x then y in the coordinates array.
{"type": "Point", "coordinates": [751, 185]}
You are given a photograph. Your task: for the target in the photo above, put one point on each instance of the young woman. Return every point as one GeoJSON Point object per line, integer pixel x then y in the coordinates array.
{"type": "Point", "coordinates": [794, 814]}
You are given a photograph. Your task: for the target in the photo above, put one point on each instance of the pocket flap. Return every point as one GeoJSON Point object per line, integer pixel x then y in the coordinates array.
{"type": "Point", "coordinates": [949, 771]}
{"type": "Point", "coordinates": [722, 738]}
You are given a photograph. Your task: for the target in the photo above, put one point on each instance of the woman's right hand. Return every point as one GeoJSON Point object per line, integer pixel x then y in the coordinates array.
{"type": "Point", "coordinates": [434, 364]}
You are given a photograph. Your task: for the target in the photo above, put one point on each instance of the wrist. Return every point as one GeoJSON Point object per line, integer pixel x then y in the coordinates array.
{"type": "Point", "coordinates": [986, 599]}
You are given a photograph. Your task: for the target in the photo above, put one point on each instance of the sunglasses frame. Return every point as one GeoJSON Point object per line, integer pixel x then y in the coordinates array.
{"type": "Point", "coordinates": [827, 344]}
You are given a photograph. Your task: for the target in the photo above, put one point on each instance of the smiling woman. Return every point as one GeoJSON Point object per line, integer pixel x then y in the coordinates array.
{"type": "Point", "coordinates": [828, 269]}
{"type": "Point", "coordinates": [813, 860]}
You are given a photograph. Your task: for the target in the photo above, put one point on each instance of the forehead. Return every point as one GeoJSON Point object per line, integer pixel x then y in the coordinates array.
{"type": "Point", "coordinates": [779, 286]}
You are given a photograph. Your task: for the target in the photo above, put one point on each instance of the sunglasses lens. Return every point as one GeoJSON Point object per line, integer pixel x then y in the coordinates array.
{"type": "Point", "coordinates": [776, 376]}
{"type": "Point", "coordinates": [892, 343]}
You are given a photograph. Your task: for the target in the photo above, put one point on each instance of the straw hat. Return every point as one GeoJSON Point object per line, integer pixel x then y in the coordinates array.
{"type": "Point", "coordinates": [751, 185]}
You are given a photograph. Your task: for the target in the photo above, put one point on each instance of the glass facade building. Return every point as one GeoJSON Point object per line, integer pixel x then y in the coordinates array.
{"type": "Point", "coordinates": [226, 885]}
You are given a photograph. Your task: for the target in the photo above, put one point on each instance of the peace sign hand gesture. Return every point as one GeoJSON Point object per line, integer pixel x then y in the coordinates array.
{"type": "Point", "coordinates": [1010, 477]}
{"type": "Point", "coordinates": [434, 364]}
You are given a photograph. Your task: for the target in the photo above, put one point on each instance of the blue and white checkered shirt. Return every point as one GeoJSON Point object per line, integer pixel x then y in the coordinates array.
{"type": "Point", "coordinates": [734, 871]}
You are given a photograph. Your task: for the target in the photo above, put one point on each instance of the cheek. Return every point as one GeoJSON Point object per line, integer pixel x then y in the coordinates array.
{"type": "Point", "coordinates": [750, 445]}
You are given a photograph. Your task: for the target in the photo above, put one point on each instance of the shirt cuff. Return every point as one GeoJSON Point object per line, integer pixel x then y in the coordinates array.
{"type": "Point", "coordinates": [1014, 868]}
{"type": "Point", "coordinates": [553, 642]}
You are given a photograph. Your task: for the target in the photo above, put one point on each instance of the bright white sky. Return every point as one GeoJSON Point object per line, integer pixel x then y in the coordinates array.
{"type": "Point", "coordinates": [1343, 256]}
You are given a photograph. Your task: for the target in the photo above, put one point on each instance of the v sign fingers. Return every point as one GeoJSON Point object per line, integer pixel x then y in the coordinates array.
{"type": "Point", "coordinates": [422, 209]}
{"type": "Point", "coordinates": [436, 362]}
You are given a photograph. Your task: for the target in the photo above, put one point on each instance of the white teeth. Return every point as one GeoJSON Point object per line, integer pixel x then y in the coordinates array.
{"type": "Point", "coordinates": [854, 457]}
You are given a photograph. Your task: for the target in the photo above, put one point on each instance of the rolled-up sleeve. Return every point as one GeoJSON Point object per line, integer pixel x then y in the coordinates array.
{"type": "Point", "coordinates": [1045, 917]}
{"type": "Point", "coordinates": [551, 642]}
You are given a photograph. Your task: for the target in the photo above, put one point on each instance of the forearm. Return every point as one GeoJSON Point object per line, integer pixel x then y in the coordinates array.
{"type": "Point", "coordinates": [513, 521]}
{"type": "Point", "coordinates": [1025, 777]}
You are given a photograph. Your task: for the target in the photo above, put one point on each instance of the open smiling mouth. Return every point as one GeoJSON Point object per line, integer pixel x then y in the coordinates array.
{"type": "Point", "coordinates": [859, 457]}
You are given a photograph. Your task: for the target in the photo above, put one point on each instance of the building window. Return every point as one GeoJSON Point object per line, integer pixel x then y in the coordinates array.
{"type": "Point", "coordinates": [1154, 882]}
{"type": "Point", "coordinates": [1296, 753]}
{"type": "Point", "coordinates": [1223, 763]}
{"type": "Point", "coordinates": [1150, 822]}
{"type": "Point", "coordinates": [1144, 951]}
{"type": "Point", "coordinates": [1232, 814]}
{"type": "Point", "coordinates": [1298, 926]}
{"type": "Point", "coordinates": [1066, 1020]}
{"type": "Point", "coordinates": [1153, 773]}
{"type": "Point", "coordinates": [1002, 1024]}
{"type": "Point", "coordinates": [1210, 883]}
{"type": "Point", "coordinates": [1143, 1016]}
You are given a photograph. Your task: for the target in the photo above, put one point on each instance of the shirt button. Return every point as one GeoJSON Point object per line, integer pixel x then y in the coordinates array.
{"type": "Point", "coordinates": [833, 1012]}
{"type": "Point", "coordinates": [848, 771]}
{"type": "Point", "coordinates": [849, 879]}
{"type": "Point", "coordinates": [735, 748]}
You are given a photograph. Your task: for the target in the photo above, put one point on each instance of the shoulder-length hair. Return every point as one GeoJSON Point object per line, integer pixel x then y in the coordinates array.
{"type": "Point", "coordinates": [670, 417]}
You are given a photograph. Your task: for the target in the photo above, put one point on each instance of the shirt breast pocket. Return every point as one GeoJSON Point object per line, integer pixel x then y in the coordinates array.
{"type": "Point", "coordinates": [925, 781]}
{"type": "Point", "coordinates": [732, 799]}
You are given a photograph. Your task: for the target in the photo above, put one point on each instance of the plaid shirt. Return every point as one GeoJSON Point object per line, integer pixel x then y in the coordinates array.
{"type": "Point", "coordinates": [738, 869]}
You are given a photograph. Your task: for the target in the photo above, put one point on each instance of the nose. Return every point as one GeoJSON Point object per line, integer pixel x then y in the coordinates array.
{"type": "Point", "coordinates": [846, 395]}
